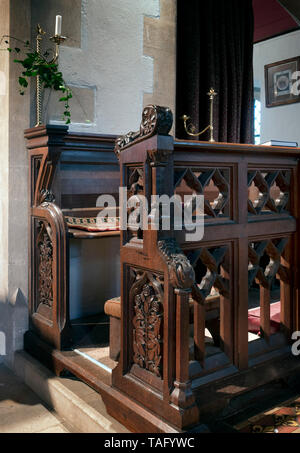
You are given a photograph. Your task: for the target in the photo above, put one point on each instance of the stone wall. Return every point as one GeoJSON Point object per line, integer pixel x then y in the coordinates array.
{"type": "Point", "coordinates": [107, 67]}
{"type": "Point", "coordinates": [4, 107]}
{"type": "Point", "coordinates": [160, 44]}
{"type": "Point", "coordinates": [119, 56]}
{"type": "Point", "coordinates": [15, 21]}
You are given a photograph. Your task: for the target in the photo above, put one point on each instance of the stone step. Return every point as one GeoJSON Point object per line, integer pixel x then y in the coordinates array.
{"type": "Point", "coordinates": [71, 399]}
{"type": "Point", "coordinates": [22, 411]}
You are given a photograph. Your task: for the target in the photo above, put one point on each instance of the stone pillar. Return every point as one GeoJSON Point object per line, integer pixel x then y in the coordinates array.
{"type": "Point", "coordinates": [14, 21]}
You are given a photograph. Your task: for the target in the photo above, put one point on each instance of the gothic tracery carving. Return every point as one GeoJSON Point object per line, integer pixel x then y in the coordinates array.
{"type": "Point", "coordinates": [45, 260]}
{"type": "Point", "coordinates": [147, 299]}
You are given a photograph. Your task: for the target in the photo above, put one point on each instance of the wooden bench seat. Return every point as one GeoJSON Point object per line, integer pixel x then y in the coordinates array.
{"type": "Point", "coordinates": [112, 308]}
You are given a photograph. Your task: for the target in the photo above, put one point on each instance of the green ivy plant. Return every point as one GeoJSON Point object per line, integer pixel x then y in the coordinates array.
{"type": "Point", "coordinates": [35, 64]}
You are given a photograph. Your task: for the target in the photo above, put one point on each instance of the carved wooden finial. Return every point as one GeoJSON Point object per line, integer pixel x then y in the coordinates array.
{"type": "Point", "coordinates": [155, 120]}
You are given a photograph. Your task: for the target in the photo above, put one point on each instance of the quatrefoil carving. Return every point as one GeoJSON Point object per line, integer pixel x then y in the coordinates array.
{"type": "Point", "coordinates": [264, 275]}
{"type": "Point", "coordinates": [207, 264]}
{"type": "Point", "coordinates": [264, 182]}
{"type": "Point", "coordinates": [199, 180]}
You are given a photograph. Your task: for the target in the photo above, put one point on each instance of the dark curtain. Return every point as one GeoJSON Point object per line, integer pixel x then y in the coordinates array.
{"type": "Point", "coordinates": [215, 49]}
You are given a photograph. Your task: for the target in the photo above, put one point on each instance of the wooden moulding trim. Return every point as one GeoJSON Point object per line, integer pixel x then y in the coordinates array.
{"type": "Point", "coordinates": [235, 148]}
{"type": "Point", "coordinates": [80, 234]}
{"type": "Point", "coordinates": [48, 129]}
{"type": "Point", "coordinates": [86, 137]}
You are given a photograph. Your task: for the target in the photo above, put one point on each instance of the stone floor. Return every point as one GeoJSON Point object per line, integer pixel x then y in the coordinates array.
{"type": "Point", "coordinates": [22, 411]}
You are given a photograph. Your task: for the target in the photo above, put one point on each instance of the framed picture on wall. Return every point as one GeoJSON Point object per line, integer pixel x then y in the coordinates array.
{"type": "Point", "coordinates": [281, 82]}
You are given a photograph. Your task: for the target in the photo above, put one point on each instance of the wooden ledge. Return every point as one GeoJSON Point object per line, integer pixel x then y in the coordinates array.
{"type": "Point", "coordinates": [75, 233]}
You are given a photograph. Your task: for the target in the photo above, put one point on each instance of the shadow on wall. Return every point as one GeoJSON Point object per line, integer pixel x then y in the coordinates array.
{"type": "Point", "coordinates": [13, 325]}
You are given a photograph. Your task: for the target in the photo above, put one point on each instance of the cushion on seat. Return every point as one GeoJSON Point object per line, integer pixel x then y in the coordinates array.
{"type": "Point", "coordinates": [112, 307]}
{"type": "Point", "coordinates": [94, 223]}
{"type": "Point", "coordinates": [254, 319]}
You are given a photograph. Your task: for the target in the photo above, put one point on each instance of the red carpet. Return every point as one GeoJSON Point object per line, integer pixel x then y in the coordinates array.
{"type": "Point", "coordinates": [254, 319]}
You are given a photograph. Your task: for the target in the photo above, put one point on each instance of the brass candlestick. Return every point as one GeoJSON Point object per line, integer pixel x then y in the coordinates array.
{"type": "Point", "coordinates": [57, 39]}
{"type": "Point", "coordinates": [190, 130]}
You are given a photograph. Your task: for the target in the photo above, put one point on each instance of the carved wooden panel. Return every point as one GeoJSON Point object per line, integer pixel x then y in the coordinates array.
{"type": "Point", "coordinates": [268, 191]}
{"type": "Point", "coordinates": [212, 183]}
{"type": "Point", "coordinates": [146, 297]}
{"type": "Point", "coordinates": [44, 259]}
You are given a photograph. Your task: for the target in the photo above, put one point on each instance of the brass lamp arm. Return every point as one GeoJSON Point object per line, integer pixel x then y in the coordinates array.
{"type": "Point", "coordinates": [190, 130]}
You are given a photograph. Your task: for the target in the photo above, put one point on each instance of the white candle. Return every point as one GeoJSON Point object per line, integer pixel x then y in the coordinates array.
{"type": "Point", "coordinates": [58, 25]}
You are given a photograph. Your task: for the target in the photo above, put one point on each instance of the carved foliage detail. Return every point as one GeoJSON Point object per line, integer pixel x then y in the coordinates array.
{"type": "Point", "coordinates": [181, 272]}
{"type": "Point", "coordinates": [45, 260]}
{"type": "Point", "coordinates": [155, 120]}
{"type": "Point", "coordinates": [147, 300]}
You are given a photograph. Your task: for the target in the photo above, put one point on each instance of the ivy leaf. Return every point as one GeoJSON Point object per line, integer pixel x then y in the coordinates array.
{"type": "Point", "coordinates": [35, 64]}
{"type": "Point", "coordinates": [23, 82]}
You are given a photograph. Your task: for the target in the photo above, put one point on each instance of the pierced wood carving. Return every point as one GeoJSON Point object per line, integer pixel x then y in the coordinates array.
{"type": "Point", "coordinates": [198, 180]}
{"type": "Point", "coordinates": [207, 263]}
{"type": "Point", "coordinates": [135, 187]}
{"type": "Point", "coordinates": [265, 262]}
{"type": "Point", "coordinates": [45, 260]}
{"type": "Point", "coordinates": [147, 299]}
{"type": "Point", "coordinates": [135, 181]}
{"type": "Point", "coordinates": [273, 191]}
{"type": "Point", "coordinates": [182, 275]}
{"type": "Point", "coordinates": [155, 120]}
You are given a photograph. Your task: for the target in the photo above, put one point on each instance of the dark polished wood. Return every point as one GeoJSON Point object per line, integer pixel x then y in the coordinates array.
{"type": "Point", "coordinates": [250, 240]}
{"type": "Point", "coordinates": [64, 168]}
{"type": "Point", "coordinates": [185, 351]}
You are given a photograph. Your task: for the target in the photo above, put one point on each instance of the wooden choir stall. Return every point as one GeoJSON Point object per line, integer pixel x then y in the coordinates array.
{"type": "Point", "coordinates": [194, 325]}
